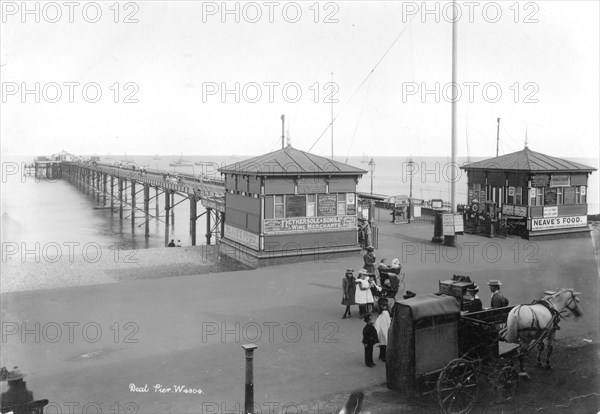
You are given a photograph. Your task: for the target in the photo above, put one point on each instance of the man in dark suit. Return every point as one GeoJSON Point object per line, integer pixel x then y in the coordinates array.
{"type": "Point", "coordinates": [498, 300]}
{"type": "Point", "coordinates": [17, 392]}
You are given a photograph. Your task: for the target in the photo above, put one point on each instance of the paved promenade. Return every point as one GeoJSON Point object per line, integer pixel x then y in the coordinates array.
{"type": "Point", "coordinates": [92, 342]}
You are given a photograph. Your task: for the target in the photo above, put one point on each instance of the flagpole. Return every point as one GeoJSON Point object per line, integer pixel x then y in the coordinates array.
{"type": "Point", "coordinates": [454, 99]}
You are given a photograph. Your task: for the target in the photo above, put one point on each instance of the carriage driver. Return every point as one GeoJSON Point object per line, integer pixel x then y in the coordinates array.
{"type": "Point", "coordinates": [498, 300]}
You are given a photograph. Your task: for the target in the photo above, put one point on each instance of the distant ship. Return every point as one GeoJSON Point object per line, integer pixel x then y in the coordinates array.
{"type": "Point", "coordinates": [126, 159]}
{"type": "Point", "coordinates": [365, 159]}
{"type": "Point", "coordinates": [156, 157]}
{"type": "Point", "coordinates": [181, 163]}
{"type": "Point", "coordinates": [108, 157]}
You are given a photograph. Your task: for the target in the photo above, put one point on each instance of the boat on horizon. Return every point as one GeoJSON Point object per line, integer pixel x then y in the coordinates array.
{"type": "Point", "coordinates": [181, 162]}
{"type": "Point", "coordinates": [156, 157]}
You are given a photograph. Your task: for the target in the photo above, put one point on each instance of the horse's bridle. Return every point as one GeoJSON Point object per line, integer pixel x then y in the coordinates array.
{"type": "Point", "coordinates": [571, 300]}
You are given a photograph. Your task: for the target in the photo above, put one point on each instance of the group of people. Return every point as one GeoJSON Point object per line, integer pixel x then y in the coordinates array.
{"type": "Point", "coordinates": [173, 244]}
{"type": "Point", "coordinates": [371, 291]}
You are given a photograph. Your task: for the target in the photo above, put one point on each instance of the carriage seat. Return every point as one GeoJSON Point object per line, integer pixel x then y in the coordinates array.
{"type": "Point", "coordinates": [33, 407]}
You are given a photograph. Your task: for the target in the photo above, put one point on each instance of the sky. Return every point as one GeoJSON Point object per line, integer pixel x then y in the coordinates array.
{"type": "Point", "coordinates": [209, 78]}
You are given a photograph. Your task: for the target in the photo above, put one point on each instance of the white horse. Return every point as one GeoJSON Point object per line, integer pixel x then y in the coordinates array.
{"type": "Point", "coordinates": [528, 323]}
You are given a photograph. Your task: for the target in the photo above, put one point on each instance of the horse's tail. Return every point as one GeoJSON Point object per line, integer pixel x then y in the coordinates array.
{"type": "Point", "coordinates": [512, 325]}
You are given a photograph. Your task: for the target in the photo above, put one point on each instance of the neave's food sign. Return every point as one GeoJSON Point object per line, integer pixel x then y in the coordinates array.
{"type": "Point", "coordinates": [538, 224]}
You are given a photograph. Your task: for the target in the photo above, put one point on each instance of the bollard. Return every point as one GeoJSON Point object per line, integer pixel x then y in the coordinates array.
{"type": "Point", "coordinates": [249, 394]}
{"type": "Point", "coordinates": [438, 230]}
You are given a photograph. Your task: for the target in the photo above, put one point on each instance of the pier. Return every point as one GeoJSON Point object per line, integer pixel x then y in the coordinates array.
{"type": "Point", "coordinates": [118, 187]}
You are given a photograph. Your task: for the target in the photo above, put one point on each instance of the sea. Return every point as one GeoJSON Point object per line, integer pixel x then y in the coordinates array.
{"type": "Point", "coordinates": [54, 211]}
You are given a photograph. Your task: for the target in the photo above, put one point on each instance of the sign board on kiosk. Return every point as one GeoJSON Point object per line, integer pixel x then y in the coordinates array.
{"type": "Point", "coordinates": [437, 203]}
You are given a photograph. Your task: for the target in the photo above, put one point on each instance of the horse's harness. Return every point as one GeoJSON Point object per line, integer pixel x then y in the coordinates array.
{"type": "Point", "coordinates": [535, 323]}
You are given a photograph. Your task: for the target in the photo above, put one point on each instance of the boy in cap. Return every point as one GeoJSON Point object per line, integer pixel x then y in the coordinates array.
{"type": "Point", "coordinates": [498, 300]}
{"type": "Point", "coordinates": [370, 338]}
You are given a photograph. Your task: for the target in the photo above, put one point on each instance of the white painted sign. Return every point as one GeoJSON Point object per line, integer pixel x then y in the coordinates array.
{"type": "Point", "coordinates": [558, 223]}
{"type": "Point", "coordinates": [417, 211]}
{"type": "Point", "coordinates": [551, 211]}
{"type": "Point", "coordinates": [309, 225]}
{"type": "Point", "coordinates": [459, 225]}
{"type": "Point", "coordinates": [241, 236]}
{"type": "Point", "coordinates": [582, 191]}
{"type": "Point", "coordinates": [448, 224]}
{"type": "Point", "coordinates": [532, 193]}
{"type": "Point", "coordinates": [560, 181]}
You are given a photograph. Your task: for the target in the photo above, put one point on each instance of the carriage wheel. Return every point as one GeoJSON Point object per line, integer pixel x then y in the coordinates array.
{"type": "Point", "coordinates": [457, 387]}
{"type": "Point", "coordinates": [507, 383]}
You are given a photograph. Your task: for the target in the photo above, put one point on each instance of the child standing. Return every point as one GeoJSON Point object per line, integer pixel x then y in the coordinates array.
{"type": "Point", "coordinates": [382, 325]}
{"type": "Point", "coordinates": [369, 339]}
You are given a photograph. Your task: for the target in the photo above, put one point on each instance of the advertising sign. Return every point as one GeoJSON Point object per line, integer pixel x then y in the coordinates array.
{"type": "Point", "coordinates": [417, 211]}
{"type": "Point", "coordinates": [311, 185]}
{"type": "Point", "coordinates": [459, 226]}
{"type": "Point", "coordinates": [508, 209]}
{"type": "Point", "coordinates": [351, 203]}
{"type": "Point", "coordinates": [241, 236]}
{"type": "Point", "coordinates": [326, 204]}
{"type": "Point", "coordinates": [551, 211]}
{"type": "Point", "coordinates": [448, 224]}
{"type": "Point", "coordinates": [295, 206]}
{"type": "Point", "coordinates": [560, 181]}
{"type": "Point", "coordinates": [511, 191]}
{"type": "Point", "coordinates": [558, 223]}
{"type": "Point", "coordinates": [308, 225]}
{"type": "Point", "coordinates": [521, 211]}
{"type": "Point", "coordinates": [540, 180]}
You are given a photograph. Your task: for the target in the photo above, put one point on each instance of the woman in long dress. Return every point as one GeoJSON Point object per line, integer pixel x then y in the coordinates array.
{"type": "Point", "coordinates": [348, 292]}
{"type": "Point", "coordinates": [382, 326]}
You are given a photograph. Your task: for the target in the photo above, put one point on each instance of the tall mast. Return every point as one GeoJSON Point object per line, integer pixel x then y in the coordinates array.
{"type": "Point", "coordinates": [454, 99]}
{"type": "Point", "coordinates": [498, 138]}
{"type": "Point", "coordinates": [282, 131]}
{"type": "Point", "coordinates": [332, 116]}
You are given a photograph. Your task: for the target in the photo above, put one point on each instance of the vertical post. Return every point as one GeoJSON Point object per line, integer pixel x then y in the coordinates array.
{"type": "Point", "coordinates": [208, 229]}
{"type": "Point", "coordinates": [249, 389]}
{"type": "Point", "coordinates": [282, 130]}
{"type": "Point", "coordinates": [156, 205]}
{"type": "Point", "coordinates": [147, 210]}
{"type": "Point", "coordinates": [193, 214]}
{"type": "Point", "coordinates": [332, 86]}
{"type": "Point", "coordinates": [133, 206]}
{"type": "Point", "coordinates": [120, 198]}
{"type": "Point", "coordinates": [112, 193]}
{"type": "Point", "coordinates": [104, 179]}
{"type": "Point", "coordinates": [222, 213]}
{"type": "Point", "coordinates": [454, 99]}
{"type": "Point", "coordinates": [167, 208]}
{"type": "Point", "coordinates": [173, 208]}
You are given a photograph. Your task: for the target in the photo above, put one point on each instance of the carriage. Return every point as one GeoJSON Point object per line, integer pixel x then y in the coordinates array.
{"type": "Point", "coordinates": [435, 348]}
{"type": "Point", "coordinates": [443, 343]}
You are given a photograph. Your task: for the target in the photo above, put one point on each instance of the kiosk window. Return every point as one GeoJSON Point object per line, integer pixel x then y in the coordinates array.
{"type": "Point", "coordinates": [580, 192]}
{"type": "Point", "coordinates": [559, 195]}
{"type": "Point", "coordinates": [279, 206]}
{"type": "Point", "coordinates": [341, 204]}
{"type": "Point", "coordinates": [519, 195]}
{"type": "Point", "coordinates": [311, 205]}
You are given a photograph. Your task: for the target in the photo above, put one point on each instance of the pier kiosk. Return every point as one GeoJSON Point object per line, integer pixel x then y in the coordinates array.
{"type": "Point", "coordinates": [288, 206]}
{"type": "Point", "coordinates": [528, 193]}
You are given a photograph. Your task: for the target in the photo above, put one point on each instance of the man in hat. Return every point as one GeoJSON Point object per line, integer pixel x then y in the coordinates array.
{"type": "Point", "coordinates": [498, 300]}
{"type": "Point", "coordinates": [370, 338]}
{"type": "Point", "coordinates": [17, 392]}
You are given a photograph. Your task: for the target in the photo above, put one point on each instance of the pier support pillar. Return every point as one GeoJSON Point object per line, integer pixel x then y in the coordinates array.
{"type": "Point", "coordinates": [167, 208]}
{"type": "Point", "coordinates": [156, 204]}
{"type": "Point", "coordinates": [120, 198]}
{"type": "Point", "coordinates": [112, 194]}
{"type": "Point", "coordinates": [173, 209]}
{"type": "Point", "coordinates": [104, 179]}
{"type": "Point", "coordinates": [193, 215]}
{"type": "Point", "coordinates": [133, 205]}
{"type": "Point", "coordinates": [98, 187]}
{"type": "Point", "coordinates": [222, 213]}
{"type": "Point", "coordinates": [147, 210]}
{"type": "Point", "coordinates": [208, 232]}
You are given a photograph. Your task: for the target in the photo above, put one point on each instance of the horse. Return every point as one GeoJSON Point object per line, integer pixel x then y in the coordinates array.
{"type": "Point", "coordinates": [539, 321]}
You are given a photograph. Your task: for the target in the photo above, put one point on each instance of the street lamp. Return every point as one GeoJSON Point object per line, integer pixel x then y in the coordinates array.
{"type": "Point", "coordinates": [372, 168]}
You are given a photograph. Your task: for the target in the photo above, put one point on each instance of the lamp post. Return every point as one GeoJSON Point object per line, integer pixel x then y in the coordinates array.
{"type": "Point", "coordinates": [249, 389]}
{"type": "Point", "coordinates": [372, 168]}
{"type": "Point", "coordinates": [411, 165]}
